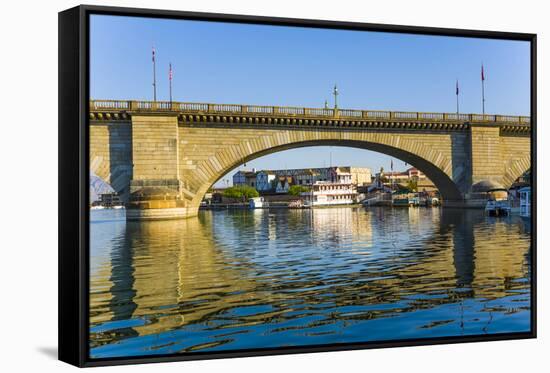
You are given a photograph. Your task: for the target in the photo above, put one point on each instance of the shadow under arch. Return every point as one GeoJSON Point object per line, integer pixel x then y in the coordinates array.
{"type": "Point", "coordinates": [448, 189]}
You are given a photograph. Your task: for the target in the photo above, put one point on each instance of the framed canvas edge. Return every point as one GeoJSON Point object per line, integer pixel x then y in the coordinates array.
{"type": "Point", "coordinates": [73, 178]}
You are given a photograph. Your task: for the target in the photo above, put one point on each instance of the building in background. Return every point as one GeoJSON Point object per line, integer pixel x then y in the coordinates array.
{"type": "Point", "coordinates": [245, 177]}
{"type": "Point", "coordinates": [361, 176]}
{"type": "Point", "coordinates": [279, 181]}
{"type": "Point", "coordinates": [265, 180]}
{"type": "Point", "coordinates": [307, 177]}
{"type": "Point", "coordinates": [411, 176]}
{"type": "Point", "coordinates": [283, 184]}
{"type": "Point", "coordinates": [340, 175]}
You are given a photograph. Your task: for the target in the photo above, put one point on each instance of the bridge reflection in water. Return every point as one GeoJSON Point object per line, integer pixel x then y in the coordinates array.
{"type": "Point", "coordinates": [249, 279]}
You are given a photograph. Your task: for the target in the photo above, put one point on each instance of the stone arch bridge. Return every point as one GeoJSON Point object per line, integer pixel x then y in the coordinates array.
{"type": "Point", "coordinates": [181, 149]}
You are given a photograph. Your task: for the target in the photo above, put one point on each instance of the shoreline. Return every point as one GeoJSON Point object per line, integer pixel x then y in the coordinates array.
{"type": "Point", "coordinates": [245, 206]}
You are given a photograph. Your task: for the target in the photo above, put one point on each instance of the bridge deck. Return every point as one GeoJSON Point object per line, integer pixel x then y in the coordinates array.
{"type": "Point", "coordinates": [109, 106]}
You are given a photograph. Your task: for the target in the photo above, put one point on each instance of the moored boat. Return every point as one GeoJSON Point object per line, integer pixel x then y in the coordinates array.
{"type": "Point", "coordinates": [497, 208]}
{"type": "Point", "coordinates": [497, 204]}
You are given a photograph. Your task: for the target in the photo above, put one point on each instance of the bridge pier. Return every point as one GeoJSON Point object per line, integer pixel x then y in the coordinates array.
{"type": "Point", "coordinates": [155, 188]}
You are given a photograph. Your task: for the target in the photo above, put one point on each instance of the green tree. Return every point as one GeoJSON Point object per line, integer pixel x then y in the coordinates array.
{"type": "Point", "coordinates": [412, 185]}
{"type": "Point", "coordinates": [240, 191]}
{"type": "Point", "coordinates": [295, 190]}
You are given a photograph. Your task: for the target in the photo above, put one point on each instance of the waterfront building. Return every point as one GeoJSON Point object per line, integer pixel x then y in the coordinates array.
{"type": "Point", "coordinates": [340, 175]}
{"type": "Point", "coordinates": [403, 178]}
{"type": "Point", "coordinates": [245, 177]}
{"type": "Point", "coordinates": [307, 177]}
{"type": "Point", "coordinates": [415, 174]}
{"type": "Point", "coordinates": [313, 174]}
{"type": "Point", "coordinates": [283, 184]}
{"type": "Point", "coordinates": [360, 176]}
{"type": "Point", "coordinates": [265, 181]}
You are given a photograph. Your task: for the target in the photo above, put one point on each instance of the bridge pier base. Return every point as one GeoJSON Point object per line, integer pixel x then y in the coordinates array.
{"type": "Point", "coordinates": [158, 200]}
{"type": "Point", "coordinates": [136, 214]}
{"type": "Point", "coordinates": [466, 203]}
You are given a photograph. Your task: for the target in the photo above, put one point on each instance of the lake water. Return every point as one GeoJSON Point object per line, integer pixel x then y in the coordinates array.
{"type": "Point", "coordinates": [231, 280]}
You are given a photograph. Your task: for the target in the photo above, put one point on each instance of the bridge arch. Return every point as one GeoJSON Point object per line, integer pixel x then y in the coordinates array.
{"type": "Point", "coordinates": [436, 165]}
{"type": "Point", "coordinates": [515, 168]}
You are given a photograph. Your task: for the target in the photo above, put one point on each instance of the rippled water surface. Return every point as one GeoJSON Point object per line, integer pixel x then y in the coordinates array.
{"type": "Point", "coordinates": [250, 279]}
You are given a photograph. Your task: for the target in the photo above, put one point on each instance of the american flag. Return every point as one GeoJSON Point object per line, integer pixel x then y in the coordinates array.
{"type": "Point", "coordinates": [170, 73]}
{"type": "Point", "coordinates": [482, 73]}
{"type": "Point", "coordinates": [153, 54]}
{"type": "Point", "coordinates": [457, 88]}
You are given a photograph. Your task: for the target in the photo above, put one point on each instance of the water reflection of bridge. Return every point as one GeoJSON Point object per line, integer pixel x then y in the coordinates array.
{"type": "Point", "coordinates": [164, 275]}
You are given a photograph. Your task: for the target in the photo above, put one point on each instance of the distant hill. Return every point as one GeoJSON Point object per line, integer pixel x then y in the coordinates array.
{"type": "Point", "coordinates": [97, 187]}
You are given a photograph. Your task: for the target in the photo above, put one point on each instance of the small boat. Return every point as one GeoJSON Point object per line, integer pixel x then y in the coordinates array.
{"type": "Point", "coordinates": [97, 207]}
{"type": "Point", "coordinates": [497, 204]}
{"type": "Point", "coordinates": [414, 201]}
{"type": "Point", "coordinates": [497, 208]}
{"type": "Point", "coordinates": [296, 204]}
{"type": "Point", "coordinates": [256, 202]}
{"type": "Point", "coordinates": [401, 202]}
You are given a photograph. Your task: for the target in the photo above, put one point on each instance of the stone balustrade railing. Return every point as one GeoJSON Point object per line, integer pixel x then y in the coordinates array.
{"type": "Point", "coordinates": [232, 109]}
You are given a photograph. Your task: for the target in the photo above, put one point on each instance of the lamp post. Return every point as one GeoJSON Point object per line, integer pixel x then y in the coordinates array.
{"type": "Point", "coordinates": [335, 93]}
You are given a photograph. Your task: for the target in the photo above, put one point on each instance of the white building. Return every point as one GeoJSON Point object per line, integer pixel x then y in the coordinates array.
{"type": "Point", "coordinates": [340, 175]}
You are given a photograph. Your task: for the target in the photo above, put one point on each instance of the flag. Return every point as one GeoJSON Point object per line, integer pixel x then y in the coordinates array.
{"type": "Point", "coordinates": [482, 73]}
{"type": "Point", "coordinates": [457, 88]}
{"type": "Point", "coordinates": [391, 164]}
{"type": "Point", "coordinates": [153, 50]}
{"type": "Point", "coordinates": [170, 74]}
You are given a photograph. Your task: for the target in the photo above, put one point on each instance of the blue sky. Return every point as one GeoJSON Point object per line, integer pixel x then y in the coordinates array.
{"type": "Point", "coordinates": [268, 65]}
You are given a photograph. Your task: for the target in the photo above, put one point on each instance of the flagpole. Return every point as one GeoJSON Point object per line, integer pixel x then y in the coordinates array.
{"type": "Point", "coordinates": [154, 77]}
{"type": "Point", "coordinates": [482, 90]}
{"type": "Point", "coordinates": [483, 96]}
{"type": "Point", "coordinates": [457, 107]}
{"type": "Point", "coordinates": [170, 78]}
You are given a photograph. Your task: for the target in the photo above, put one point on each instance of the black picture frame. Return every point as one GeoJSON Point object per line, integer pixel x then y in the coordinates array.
{"type": "Point", "coordinates": [74, 178]}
